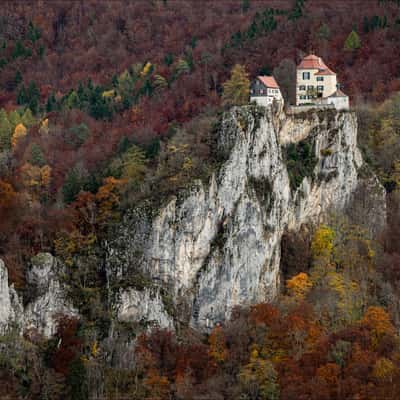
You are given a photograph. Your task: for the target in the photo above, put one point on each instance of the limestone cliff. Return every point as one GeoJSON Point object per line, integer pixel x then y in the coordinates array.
{"type": "Point", "coordinates": [217, 244]}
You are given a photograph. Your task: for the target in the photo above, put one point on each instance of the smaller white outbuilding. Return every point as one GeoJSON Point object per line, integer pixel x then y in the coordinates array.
{"type": "Point", "coordinates": [338, 99]}
{"type": "Point", "coordinates": [264, 90]}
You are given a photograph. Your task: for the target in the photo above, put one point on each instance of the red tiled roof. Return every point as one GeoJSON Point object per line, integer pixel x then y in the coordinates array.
{"type": "Point", "coordinates": [314, 62]}
{"type": "Point", "coordinates": [326, 71]}
{"type": "Point", "coordinates": [268, 81]}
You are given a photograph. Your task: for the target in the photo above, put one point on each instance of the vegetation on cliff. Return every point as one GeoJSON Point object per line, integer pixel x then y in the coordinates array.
{"type": "Point", "coordinates": [106, 104]}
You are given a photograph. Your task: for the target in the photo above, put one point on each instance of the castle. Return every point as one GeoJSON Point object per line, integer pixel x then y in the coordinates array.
{"type": "Point", "coordinates": [316, 86]}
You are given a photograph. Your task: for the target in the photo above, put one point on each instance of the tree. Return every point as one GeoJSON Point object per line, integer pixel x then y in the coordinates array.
{"type": "Point", "coordinates": [324, 32]}
{"type": "Point", "coordinates": [322, 243]}
{"type": "Point", "coordinates": [384, 369]}
{"type": "Point", "coordinates": [133, 164]}
{"type": "Point", "coordinates": [378, 321]}
{"type": "Point", "coordinates": [285, 74]}
{"type": "Point", "coordinates": [19, 133]}
{"type": "Point", "coordinates": [237, 88]}
{"type": "Point", "coordinates": [259, 379]}
{"type": "Point", "coordinates": [75, 181]}
{"type": "Point", "coordinates": [27, 118]}
{"type": "Point", "coordinates": [37, 156]}
{"type": "Point", "coordinates": [217, 346]}
{"type": "Point", "coordinates": [352, 42]}
{"type": "Point", "coordinates": [7, 195]}
{"type": "Point", "coordinates": [36, 180]}
{"type": "Point", "coordinates": [5, 131]}
{"type": "Point", "coordinates": [299, 285]}
{"type": "Point", "coordinates": [14, 118]}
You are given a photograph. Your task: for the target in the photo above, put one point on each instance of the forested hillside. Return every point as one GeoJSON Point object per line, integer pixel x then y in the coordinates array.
{"type": "Point", "coordinates": [110, 105]}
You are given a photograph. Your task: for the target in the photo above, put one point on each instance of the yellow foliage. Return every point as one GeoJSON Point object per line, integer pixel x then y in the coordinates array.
{"type": "Point", "coordinates": [299, 285]}
{"type": "Point", "coordinates": [322, 243]}
{"type": "Point", "coordinates": [187, 164]}
{"type": "Point", "coordinates": [19, 132]}
{"type": "Point", "coordinates": [383, 369]}
{"type": "Point", "coordinates": [95, 349]}
{"type": "Point", "coordinates": [146, 69]}
{"type": "Point", "coordinates": [44, 127]}
{"type": "Point", "coordinates": [67, 245]}
{"type": "Point", "coordinates": [35, 178]}
{"type": "Point", "coordinates": [108, 94]}
{"type": "Point", "coordinates": [237, 88]}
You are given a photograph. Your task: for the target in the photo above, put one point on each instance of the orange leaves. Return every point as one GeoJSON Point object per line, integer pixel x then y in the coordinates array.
{"type": "Point", "coordinates": [19, 133]}
{"type": "Point", "coordinates": [158, 386]}
{"type": "Point", "coordinates": [107, 198]}
{"type": "Point", "coordinates": [7, 195]}
{"type": "Point", "coordinates": [329, 373]}
{"type": "Point", "coordinates": [377, 320]}
{"type": "Point", "coordinates": [35, 180]}
{"type": "Point", "coordinates": [299, 285]}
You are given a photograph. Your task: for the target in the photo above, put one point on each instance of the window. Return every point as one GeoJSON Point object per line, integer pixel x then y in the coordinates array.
{"type": "Point", "coordinates": [320, 78]}
{"type": "Point", "coordinates": [261, 91]}
{"type": "Point", "coordinates": [306, 75]}
{"type": "Point", "coordinates": [310, 97]}
{"type": "Point", "coordinates": [320, 88]}
{"type": "Point", "coordinates": [251, 91]}
{"type": "Point", "coordinates": [302, 87]}
{"type": "Point", "coordinates": [310, 87]}
{"type": "Point", "coordinates": [303, 97]}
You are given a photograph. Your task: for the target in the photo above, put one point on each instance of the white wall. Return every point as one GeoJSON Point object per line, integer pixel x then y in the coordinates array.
{"type": "Point", "coordinates": [329, 83]}
{"type": "Point", "coordinates": [262, 100]}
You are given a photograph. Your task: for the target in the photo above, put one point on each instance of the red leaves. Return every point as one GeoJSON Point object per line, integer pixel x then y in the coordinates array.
{"type": "Point", "coordinates": [68, 345]}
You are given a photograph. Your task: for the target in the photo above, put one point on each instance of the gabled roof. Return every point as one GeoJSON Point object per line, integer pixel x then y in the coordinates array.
{"type": "Point", "coordinates": [268, 81]}
{"type": "Point", "coordinates": [314, 62]}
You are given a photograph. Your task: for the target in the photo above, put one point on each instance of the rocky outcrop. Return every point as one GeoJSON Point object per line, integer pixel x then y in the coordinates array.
{"type": "Point", "coordinates": [10, 306]}
{"type": "Point", "coordinates": [145, 306]}
{"type": "Point", "coordinates": [218, 244]}
{"type": "Point", "coordinates": [47, 301]}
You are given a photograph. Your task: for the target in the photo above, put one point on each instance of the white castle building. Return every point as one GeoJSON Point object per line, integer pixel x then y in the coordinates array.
{"type": "Point", "coordinates": [316, 83]}
{"type": "Point", "coordinates": [264, 90]}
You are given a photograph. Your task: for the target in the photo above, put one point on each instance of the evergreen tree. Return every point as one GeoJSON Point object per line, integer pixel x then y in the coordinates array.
{"type": "Point", "coordinates": [324, 32]}
{"type": "Point", "coordinates": [17, 78]}
{"type": "Point", "coordinates": [15, 118]}
{"type": "Point", "coordinates": [37, 156]}
{"type": "Point", "coordinates": [74, 183]}
{"type": "Point", "coordinates": [51, 104]}
{"type": "Point", "coordinates": [27, 118]}
{"type": "Point", "coordinates": [33, 33]}
{"type": "Point", "coordinates": [245, 5]}
{"type": "Point", "coordinates": [22, 95]}
{"type": "Point", "coordinates": [237, 88]}
{"type": "Point", "coordinates": [33, 97]}
{"type": "Point", "coordinates": [352, 42]}
{"type": "Point", "coordinates": [5, 131]}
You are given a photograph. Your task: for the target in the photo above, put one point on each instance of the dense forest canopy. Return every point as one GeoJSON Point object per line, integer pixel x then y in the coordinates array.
{"type": "Point", "coordinates": [106, 104]}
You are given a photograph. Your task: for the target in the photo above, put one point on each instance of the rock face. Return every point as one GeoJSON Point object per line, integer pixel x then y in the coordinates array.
{"type": "Point", "coordinates": [218, 245]}
{"type": "Point", "coordinates": [145, 305]}
{"type": "Point", "coordinates": [10, 307]}
{"type": "Point", "coordinates": [48, 298]}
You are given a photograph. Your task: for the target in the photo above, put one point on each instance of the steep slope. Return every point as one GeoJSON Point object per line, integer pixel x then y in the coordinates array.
{"type": "Point", "coordinates": [217, 244]}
